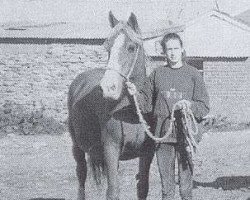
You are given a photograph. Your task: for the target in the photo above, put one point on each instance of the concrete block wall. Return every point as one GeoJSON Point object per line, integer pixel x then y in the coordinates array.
{"type": "Point", "coordinates": [39, 75]}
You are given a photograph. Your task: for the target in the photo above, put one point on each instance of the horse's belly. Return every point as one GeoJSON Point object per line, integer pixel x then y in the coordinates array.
{"type": "Point", "coordinates": [135, 142]}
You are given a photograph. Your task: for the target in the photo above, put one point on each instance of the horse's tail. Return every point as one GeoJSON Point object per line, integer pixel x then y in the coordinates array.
{"type": "Point", "coordinates": [97, 163]}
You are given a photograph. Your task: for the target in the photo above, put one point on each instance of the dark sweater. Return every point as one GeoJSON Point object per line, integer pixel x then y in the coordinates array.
{"type": "Point", "coordinates": [165, 86]}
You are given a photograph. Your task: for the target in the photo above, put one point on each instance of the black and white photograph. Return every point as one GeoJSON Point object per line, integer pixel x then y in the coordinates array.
{"type": "Point", "coordinates": [124, 100]}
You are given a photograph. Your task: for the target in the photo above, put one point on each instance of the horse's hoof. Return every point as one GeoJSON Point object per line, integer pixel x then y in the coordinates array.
{"type": "Point", "coordinates": [112, 198]}
{"type": "Point", "coordinates": [81, 198]}
{"type": "Point", "coordinates": [81, 194]}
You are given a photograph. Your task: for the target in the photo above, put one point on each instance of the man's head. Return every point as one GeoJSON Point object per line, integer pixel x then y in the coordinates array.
{"type": "Point", "coordinates": [173, 47]}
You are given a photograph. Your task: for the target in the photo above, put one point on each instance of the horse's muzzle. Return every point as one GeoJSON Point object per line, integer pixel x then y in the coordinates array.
{"type": "Point", "coordinates": [110, 92]}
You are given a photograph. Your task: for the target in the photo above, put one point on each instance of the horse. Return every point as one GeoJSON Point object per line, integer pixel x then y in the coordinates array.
{"type": "Point", "coordinates": [102, 119]}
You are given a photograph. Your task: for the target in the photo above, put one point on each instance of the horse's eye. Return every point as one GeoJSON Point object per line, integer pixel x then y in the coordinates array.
{"type": "Point", "coordinates": [131, 48]}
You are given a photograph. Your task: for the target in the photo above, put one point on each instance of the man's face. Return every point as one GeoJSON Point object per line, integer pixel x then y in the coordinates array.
{"type": "Point", "coordinates": [174, 50]}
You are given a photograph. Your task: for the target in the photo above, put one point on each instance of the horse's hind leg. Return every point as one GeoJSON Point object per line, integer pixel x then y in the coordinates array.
{"type": "Point", "coordinates": [81, 170]}
{"type": "Point", "coordinates": [143, 176]}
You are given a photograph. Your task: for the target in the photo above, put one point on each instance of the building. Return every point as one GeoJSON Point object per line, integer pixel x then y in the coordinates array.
{"type": "Point", "coordinates": [219, 46]}
{"type": "Point", "coordinates": [216, 43]}
{"type": "Point", "coordinates": [244, 17]}
{"type": "Point", "coordinates": [36, 21]}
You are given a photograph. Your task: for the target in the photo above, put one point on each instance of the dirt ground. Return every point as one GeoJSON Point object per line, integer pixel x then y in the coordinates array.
{"type": "Point", "coordinates": [42, 167]}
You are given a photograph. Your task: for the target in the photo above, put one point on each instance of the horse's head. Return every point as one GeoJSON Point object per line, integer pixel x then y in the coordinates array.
{"type": "Point", "coordinates": [126, 57]}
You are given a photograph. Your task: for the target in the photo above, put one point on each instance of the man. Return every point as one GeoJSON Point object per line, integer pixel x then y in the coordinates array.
{"type": "Point", "coordinates": [174, 82]}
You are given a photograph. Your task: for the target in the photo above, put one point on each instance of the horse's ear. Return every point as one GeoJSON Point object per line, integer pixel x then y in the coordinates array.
{"type": "Point", "coordinates": [132, 21]}
{"type": "Point", "coordinates": [112, 20]}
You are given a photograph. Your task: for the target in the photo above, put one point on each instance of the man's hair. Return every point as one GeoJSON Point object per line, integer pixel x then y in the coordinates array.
{"type": "Point", "coordinates": [168, 37]}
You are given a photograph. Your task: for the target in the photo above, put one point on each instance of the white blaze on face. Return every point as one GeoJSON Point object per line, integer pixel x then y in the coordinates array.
{"type": "Point", "coordinates": [112, 81]}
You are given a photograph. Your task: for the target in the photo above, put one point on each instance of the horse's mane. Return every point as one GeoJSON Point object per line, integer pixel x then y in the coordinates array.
{"type": "Point", "coordinates": [149, 64]}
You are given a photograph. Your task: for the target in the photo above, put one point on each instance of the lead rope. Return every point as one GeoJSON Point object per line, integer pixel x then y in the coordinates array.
{"type": "Point", "coordinates": [189, 123]}
{"type": "Point", "coordinates": [191, 126]}
{"type": "Point", "coordinates": [147, 128]}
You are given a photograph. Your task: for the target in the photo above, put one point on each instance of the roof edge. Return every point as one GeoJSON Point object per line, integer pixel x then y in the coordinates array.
{"type": "Point", "coordinates": [221, 15]}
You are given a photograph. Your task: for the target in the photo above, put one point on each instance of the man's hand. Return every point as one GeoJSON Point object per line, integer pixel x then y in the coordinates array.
{"type": "Point", "coordinates": [183, 104]}
{"type": "Point", "coordinates": [131, 88]}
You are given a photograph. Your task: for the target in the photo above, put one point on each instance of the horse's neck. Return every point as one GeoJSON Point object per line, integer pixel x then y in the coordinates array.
{"type": "Point", "coordinates": [139, 75]}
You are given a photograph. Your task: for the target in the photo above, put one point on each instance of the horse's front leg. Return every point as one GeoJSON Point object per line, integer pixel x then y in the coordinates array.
{"type": "Point", "coordinates": [112, 141]}
{"type": "Point", "coordinates": [143, 176]}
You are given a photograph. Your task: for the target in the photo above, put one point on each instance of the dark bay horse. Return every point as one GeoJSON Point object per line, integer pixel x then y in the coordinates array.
{"type": "Point", "coordinates": [102, 119]}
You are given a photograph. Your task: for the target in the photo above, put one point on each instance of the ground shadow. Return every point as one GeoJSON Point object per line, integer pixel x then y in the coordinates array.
{"type": "Point", "coordinates": [227, 183]}
{"type": "Point", "coordinates": [46, 199]}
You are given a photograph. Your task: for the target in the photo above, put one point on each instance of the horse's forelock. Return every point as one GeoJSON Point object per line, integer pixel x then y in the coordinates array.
{"type": "Point", "coordinates": [122, 27]}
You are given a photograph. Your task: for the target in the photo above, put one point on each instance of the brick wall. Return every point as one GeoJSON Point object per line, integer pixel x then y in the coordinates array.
{"type": "Point", "coordinates": [39, 75]}
{"type": "Point", "coordinates": [228, 86]}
